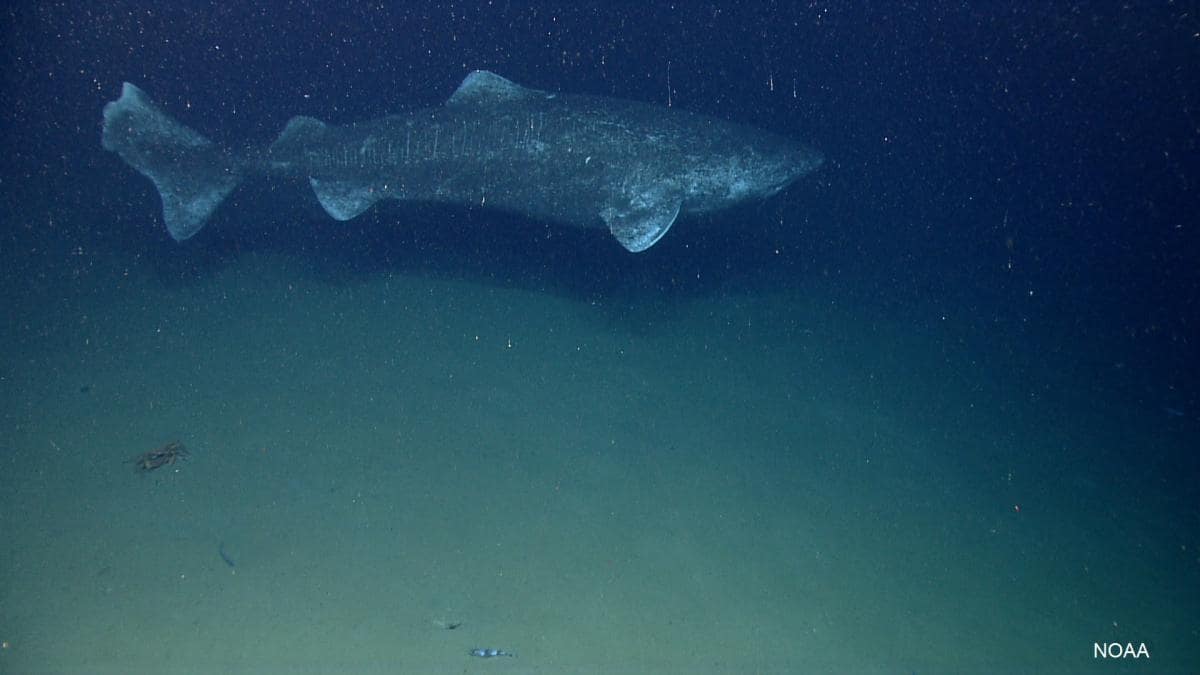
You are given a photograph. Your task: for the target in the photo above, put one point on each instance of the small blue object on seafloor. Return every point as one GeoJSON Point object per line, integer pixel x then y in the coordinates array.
{"type": "Point", "coordinates": [489, 652]}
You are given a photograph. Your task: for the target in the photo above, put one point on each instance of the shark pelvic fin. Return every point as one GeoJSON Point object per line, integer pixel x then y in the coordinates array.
{"type": "Point", "coordinates": [344, 200]}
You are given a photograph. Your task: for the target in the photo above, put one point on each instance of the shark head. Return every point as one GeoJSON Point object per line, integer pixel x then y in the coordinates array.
{"type": "Point", "coordinates": [748, 170]}
{"type": "Point", "coordinates": [783, 164]}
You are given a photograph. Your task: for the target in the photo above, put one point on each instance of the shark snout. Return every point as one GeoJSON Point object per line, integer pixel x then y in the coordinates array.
{"type": "Point", "coordinates": [806, 160]}
{"type": "Point", "coordinates": [792, 167]}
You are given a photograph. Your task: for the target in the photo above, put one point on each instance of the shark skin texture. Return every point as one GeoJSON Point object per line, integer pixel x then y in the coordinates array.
{"type": "Point", "coordinates": [586, 161]}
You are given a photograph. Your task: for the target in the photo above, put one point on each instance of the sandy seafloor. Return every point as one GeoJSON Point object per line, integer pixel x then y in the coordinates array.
{"type": "Point", "coordinates": [768, 482]}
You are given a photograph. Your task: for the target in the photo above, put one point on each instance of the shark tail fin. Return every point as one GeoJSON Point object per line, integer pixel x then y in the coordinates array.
{"type": "Point", "coordinates": [193, 175]}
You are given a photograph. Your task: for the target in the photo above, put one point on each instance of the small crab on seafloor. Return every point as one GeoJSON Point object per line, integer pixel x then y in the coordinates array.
{"type": "Point", "coordinates": [160, 457]}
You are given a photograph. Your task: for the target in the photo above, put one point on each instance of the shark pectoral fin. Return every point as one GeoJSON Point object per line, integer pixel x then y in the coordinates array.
{"type": "Point", "coordinates": [640, 227]}
{"type": "Point", "coordinates": [342, 200]}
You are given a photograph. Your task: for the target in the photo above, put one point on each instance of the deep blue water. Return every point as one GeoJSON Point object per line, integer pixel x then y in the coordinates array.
{"type": "Point", "coordinates": [1025, 172]}
{"type": "Point", "coordinates": [1029, 165]}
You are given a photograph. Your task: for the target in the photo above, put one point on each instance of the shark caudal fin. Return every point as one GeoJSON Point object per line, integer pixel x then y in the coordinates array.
{"type": "Point", "coordinates": [192, 174]}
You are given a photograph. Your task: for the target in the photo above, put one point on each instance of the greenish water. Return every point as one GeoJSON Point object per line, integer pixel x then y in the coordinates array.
{"type": "Point", "coordinates": [733, 483]}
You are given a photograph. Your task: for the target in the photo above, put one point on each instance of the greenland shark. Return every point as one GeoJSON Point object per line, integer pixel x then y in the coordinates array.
{"type": "Point", "coordinates": [588, 161]}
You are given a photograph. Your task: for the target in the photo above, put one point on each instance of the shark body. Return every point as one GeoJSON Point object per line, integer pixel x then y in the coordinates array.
{"type": "Point", "coordinates": [588, 161]}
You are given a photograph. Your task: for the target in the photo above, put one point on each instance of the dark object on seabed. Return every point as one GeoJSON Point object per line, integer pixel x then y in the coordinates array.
{"type": "Point", "coordinates": [489, 652]}
{"type": "Point", "coordinates": [160, 457]}
{"type": "Point", "coordinates": [225, 556]}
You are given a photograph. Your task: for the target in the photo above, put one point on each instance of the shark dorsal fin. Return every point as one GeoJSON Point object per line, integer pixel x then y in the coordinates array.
{"type": "Point", "coordinates": [482, 86]}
